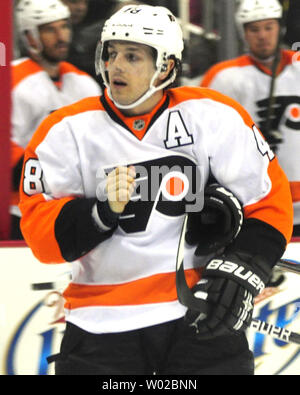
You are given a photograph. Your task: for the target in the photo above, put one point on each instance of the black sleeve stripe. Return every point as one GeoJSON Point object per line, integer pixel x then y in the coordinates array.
{"type": "Point", "coordinates": [76, 231]}
{"type": "Point", "coordinates": [259, 238]}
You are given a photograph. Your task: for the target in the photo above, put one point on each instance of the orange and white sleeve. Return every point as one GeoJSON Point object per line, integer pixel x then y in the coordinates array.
{"type": "Point", "coordinates": [58, 222]}
{"type": "Point", "coordinates": [242, 161]}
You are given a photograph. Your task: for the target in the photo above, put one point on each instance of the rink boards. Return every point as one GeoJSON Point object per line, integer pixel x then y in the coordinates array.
{"type": "Point", "coordinates": [32, 320]}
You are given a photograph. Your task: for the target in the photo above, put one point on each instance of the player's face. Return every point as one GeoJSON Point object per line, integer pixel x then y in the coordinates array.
{"type": "Point", "coordinates": [262, 37]}
{"type": "Point", "coordinates": [130, 69]}
{"type": "Point", "coordinates": [55, 38]}
{"type": "Point", "coordinates": [78, 9]}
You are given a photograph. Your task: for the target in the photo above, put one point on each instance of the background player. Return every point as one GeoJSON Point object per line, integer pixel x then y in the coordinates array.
{"type": "Point", "coordinates": [42, 82]}
{"type": "Point", "coordinates": [248, 78]}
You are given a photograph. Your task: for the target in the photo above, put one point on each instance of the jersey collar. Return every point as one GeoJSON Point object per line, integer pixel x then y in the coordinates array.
{"type": "Point", "coordinates": [281, 65]}
{"type": "Point", "coordinates": [138, 125]}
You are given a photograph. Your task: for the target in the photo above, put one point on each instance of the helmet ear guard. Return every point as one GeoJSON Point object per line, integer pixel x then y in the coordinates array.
{"type": "Point", "coordinates": [164, 68]}
{"type": "Point", "coordinates": [219, 222]}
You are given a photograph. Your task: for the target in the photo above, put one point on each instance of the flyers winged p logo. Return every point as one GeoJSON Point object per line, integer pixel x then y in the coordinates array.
{"type": "Point", "coordinates": [171, 185]}
{"type": "Point", "coordinates": [286, 111]}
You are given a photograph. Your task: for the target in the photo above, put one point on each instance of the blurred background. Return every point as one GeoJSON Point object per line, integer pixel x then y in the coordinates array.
{"type": "Point", "coordinates": [208, 25]}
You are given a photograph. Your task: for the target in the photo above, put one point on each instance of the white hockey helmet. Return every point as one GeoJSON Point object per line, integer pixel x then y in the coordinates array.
{"type": "Point", "coordinates": [154, 26]}
{"type": "Point", "coordinates": [256, 10]}
{"type": "Point", "coordinates": [30, 14]}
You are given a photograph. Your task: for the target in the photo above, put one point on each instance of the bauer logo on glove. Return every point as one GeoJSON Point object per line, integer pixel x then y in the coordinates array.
{"type": "Point", "coordinates": [239, 271]}
{"type": "Point", "coordinates": [228, 286]}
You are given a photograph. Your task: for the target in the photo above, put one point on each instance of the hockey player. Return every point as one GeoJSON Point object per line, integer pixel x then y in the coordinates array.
{"type": "Point", "coordinates": [105, 185]}
{"type": "Point", "coordinates": [42, 82]}
{"type": "Point", "coordinates": [247, 79]}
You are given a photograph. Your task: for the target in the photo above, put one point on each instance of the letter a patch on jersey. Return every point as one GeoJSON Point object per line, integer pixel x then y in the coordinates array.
{"type": "Point", "coordinates": [177, 134]}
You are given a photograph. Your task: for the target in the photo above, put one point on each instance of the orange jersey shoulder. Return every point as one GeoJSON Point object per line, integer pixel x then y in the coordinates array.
{"type": "Point", "coordinates": [241, 61]}
{"type": "Point", "coordinates": [24, 69]}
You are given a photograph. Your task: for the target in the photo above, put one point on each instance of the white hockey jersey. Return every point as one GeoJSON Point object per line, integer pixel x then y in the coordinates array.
{"type": "Point", "coordinates": [128, 281]}
{"type": "Point", "coordinates": [248, 82]}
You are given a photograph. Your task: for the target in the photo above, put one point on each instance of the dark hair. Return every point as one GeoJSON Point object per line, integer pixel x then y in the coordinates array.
{"type": "Point", "coordinates": [178, 69]}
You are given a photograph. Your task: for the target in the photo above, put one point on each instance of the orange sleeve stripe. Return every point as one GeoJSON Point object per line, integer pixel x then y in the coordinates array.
{"type": "Point", "coordinates": [295, 190]}
{"type": "Point", "coordinates": [159, 288]}
{"type": "Point", "coordinates": [214, 70]}
{"type": "Point", "coordinates": [23, 70]}
{"type": "Point", "coordinates": [37, 225]}
{"type": "Point", "coordinates": [276, 208]}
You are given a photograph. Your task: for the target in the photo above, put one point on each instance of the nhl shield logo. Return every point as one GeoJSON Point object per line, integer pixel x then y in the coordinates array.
{"type": "Point", "coordinates": [139, 124]}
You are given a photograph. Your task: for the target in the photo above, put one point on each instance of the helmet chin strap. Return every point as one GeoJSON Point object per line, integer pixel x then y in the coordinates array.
{"type": "Point", "coordinates": [152, 89]}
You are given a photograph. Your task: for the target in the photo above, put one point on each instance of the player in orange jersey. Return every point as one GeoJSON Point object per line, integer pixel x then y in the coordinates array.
{"type": "Point", "coordinates": [43, 81]}
{"type": "Point", "coordinates": [248, 79]}
{"type": "Point", "coordinates": [106, 184]}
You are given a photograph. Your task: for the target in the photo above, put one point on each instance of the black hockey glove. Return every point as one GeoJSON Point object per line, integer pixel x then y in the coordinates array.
{"type": "Point", "coordinates": [229, 286]}
{"type": "Point", "coordinates": [217, 224]}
